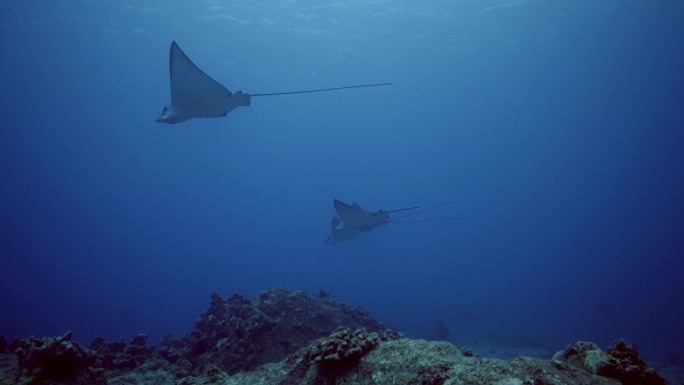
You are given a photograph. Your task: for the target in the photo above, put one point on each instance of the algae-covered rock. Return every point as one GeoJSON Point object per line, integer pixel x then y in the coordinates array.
{"type": "Point", "coordinates": [138, 377]}
{"type": "Point", "coordinates": [420, 362]}
{"type": "Point", "coordinates": [417, 362]}
{"type": "Point", "coordinates": [584, 355]}
{"type": "Point", "coordinates": [410, 362]}
{"type": "Point", "coordinates": [9, 369]}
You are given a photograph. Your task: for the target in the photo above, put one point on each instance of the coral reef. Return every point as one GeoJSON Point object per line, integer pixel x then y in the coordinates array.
{"type": "Point", "coordinates": [293, 338]}
{"type": "Point", "coordinates": [584, 355]}
{"type": "Point", "coordinates": [236, 334]}
{"type": "Point", "coordinates": [115, 355]}
{"type": "Point", "coordinates": [344, 348]}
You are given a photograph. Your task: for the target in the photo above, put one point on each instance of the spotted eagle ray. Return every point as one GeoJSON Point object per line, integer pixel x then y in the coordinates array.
{"type": "Point", "coordinates": [196, 95]}
{"type": "Point", "coordinates": [353, 220]}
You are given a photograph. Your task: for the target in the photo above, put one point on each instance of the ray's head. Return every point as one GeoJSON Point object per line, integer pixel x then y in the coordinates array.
{"type": "Point", "coordinates": [172, 114]}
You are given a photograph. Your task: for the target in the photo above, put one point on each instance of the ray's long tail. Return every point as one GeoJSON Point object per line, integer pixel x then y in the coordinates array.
{"type": "Point", "coordinates": [422, 211]}
{"type": "Point", "coordinates": [322, 89]}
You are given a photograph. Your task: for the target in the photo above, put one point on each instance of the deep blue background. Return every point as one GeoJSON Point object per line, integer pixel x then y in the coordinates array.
{"type": "Point", "coordinates": [556, 126]}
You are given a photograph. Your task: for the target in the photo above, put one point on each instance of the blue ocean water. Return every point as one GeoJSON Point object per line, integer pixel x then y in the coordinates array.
{"type": "Point", "coordinates": [555, 126]}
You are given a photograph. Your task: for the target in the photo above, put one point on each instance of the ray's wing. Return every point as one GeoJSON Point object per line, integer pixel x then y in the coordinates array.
{"type": "Point", "coordinates": [346, 212]}
{"type": "Point", "coordinates": [340, 232]}
{"type": "Point", "coordinates": [192, 89]}
{"type": "Point", "coordinates": [354, 216]}
{"type": "Point", "coordinates": [337, 232]}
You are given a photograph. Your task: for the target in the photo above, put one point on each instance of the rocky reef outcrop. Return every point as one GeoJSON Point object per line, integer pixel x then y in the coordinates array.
{"type": "Point", "coordinates": [344, 348]}
{"type": "Point", "coordinates": [294, 338]}
{"type": "Point", "coordinates": [620, 361]}
{"type": "Point", "coordinates": [114, 355]}
{"type": "Point", "coordinates": [53, 359]}
{"type": "Point", "coordinates": [236, 334]}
